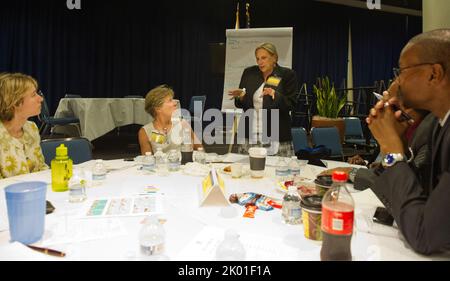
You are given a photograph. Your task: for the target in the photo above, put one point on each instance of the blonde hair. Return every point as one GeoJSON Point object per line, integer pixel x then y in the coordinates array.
{"type": "Point", "coordinates": [13, 87]}
{"type": "Point", "coordinates": [270, 48]}
{"type": "Point", "coordinates": [155, 98]}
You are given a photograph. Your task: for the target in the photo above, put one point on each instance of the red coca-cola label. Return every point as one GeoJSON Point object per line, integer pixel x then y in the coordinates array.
{"type": "Point", "coordinates": [337, 222]}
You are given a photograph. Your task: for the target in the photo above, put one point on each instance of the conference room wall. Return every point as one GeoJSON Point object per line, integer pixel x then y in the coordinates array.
{"type": "Point", "coordinates": [112, 48]}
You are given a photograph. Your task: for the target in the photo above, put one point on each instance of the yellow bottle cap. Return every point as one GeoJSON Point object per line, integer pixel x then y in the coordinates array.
{"type": "Point", "coordinates": [61, 151]}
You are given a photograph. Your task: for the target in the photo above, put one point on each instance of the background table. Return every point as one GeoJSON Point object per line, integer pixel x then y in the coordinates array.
{"type": "Point", "coordinates": [186, 220]}
{"type": "Point", "coordinates": [98, 116]}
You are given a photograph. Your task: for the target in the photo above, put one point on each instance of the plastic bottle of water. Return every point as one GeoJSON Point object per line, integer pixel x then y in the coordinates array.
{"type": "Point", "coordinates": [231, 248]}
{"type": "Point", "coordinates": [99, 171]}
{"type": "Point", "coordinates": [282, 170]}
{"type": "Point", "coordinates": [200, 156]}
{"type": "Point", "coordinates": [148, 162]}
{"type": "Point", "coordinates": [152, 237]}
{"type": "Point", "coordinates": [174, 158]}
{"type": "Point", "coordinates": [294, 170]}
{"type": "Point", "coordinates": [291, 210]}
{"type": "Point", "coordinates": [161, 162]}
{"type": "Point", "coordinates": [77, 187]}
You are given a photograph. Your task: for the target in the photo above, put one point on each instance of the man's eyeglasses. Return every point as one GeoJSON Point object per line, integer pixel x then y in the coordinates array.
{"type": "Point", "coordinates": [40, 93]}
{"type": "Point", "coordinates": [398, 71]}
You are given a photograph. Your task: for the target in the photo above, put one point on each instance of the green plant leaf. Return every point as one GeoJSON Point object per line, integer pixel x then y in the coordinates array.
{"type": "Point", "coordinates": [328, 102]}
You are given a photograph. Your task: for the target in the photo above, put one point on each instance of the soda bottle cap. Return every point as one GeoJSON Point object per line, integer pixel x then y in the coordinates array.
{"type": "Point", "coordinates": [340, 176]}
{"type": "Point", "coordinates": [61, 150]}
{"type": "Point", "coordinates": [148, 153]}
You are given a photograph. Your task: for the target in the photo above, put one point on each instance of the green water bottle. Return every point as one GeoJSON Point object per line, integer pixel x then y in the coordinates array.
{"type": "Point", "coordinates": [61, 169]}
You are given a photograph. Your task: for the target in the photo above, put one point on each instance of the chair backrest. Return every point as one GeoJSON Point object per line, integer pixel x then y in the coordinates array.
{"type": "Point", "coordinates": [299, 138]}
{"type": "Point", "coordinates": [79, 149]}
{"type": "Point", "coordinates": [196, 99]}
{"type": "Point", "coordinates": [72, 96]}
{"type": "Point", "coordinates": [328, 137]}
{"type": "Point", "coordinates": [45, 112]}
{"type": "Point", "coordinates": [353, 127]}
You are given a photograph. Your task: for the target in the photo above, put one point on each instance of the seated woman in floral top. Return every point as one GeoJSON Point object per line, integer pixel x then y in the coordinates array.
{"type": "Point", "coordinates": [20, 150]}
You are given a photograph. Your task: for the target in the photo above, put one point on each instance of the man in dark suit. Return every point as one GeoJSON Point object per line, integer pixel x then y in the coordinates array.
{"type": "Point", "coordinates": [421, 212]}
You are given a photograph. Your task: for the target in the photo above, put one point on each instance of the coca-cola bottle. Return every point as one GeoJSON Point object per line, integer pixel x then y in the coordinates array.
{"type": "Point", "coordinates": [337, 220]}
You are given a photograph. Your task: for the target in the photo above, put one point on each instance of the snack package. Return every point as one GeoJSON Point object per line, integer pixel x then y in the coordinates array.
{"type": "Point", "coordinates": [263, 204]}
{"type": "Point", "coordinates": [244, 198]}
{"type": "Point", "coordinates": [250, 211]}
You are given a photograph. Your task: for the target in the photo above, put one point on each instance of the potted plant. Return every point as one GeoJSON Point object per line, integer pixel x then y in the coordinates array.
{"type": "Point", "coordinates": [329, 104]}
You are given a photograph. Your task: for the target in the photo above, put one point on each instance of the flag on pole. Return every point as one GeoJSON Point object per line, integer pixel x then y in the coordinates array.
{"type": "Point", "coordinates": [247, 15]}
{"type": "Point", "coordinates": [237, 17]}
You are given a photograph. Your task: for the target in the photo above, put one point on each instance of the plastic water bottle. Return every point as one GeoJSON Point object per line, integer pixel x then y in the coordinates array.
{"type": "Point", "coordinates": [231, 248]}
{"type": "Point", "coordinates": [291, 211]}
{"type": "Point", "coordinates": [294, 170]}
{"type": "Point", "coordinates": [282, 170]}
{"type": "Point", "coordinates": [152, 237]}
{"type": "Point", "coordinates": [200, 156]}
{"type": "Point", "coordinates": [161, 162]}
{"type": "Point", "coordinates": [61, 169]}
{"type": "Point", "coordinates": [77, 187]}
{"type": "Point", "coordinates": [99, 171]}
{"type": "Point", "coordinates": [148, 162]}
{"type": "Point", "coordinates": [174, 158]}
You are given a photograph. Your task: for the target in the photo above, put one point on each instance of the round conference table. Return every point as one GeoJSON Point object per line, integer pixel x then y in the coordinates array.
{"type": "Point", "coordinates": [192, 231]}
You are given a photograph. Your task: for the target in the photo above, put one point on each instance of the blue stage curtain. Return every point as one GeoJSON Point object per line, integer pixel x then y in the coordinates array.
{"type": "Point", "coordinates": [112, 48]}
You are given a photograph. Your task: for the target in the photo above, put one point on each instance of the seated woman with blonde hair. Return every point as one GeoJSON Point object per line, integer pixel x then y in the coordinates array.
{"type": "Point", "coordinates": [164, 131]}
{"type": "Point", "coordinates": [20, 151]}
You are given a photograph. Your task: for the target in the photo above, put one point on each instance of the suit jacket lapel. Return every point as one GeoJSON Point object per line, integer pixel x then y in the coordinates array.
{"type": "Point", "coordinates": [438, 135]}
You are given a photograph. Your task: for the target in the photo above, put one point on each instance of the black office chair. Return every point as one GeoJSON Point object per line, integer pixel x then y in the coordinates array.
{"type": "Point", "coordinates": [299, 138]}
{"type": "Point", "coordinates": [47, 121]}
{"type": "Point", "coordinates": [328, 137]}
{"type": "Point", "coordinates": [79, 149]}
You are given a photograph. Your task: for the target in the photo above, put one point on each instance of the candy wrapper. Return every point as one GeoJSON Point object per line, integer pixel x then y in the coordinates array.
{"type": "Point", "coordinates": [250, 211]}
{"type": "Point", "coordinates": [244, 198]}
{"type": "Point", "coordinates": [262, 202]}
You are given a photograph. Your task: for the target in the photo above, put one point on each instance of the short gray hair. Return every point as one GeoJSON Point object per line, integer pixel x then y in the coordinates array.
{"type": "Point", "coordinates": [434, 47]}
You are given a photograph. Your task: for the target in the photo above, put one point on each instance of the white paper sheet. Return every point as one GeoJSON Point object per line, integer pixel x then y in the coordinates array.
{"type": "Point", "coordinates": [18, 251]}
{"type": "Point", "coordinates": [123, 206]}
{"type": "Point", "coordinates": [68, 230]}
{"type": "Point", "coordinates": [258, 247]}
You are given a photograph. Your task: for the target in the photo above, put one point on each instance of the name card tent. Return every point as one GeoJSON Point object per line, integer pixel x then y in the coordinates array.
{"type": "Point", "coordinates": [212, 191]}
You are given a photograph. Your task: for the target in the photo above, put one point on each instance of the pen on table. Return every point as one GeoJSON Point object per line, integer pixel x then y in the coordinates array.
{"type": "Point", "coordinates": [47, 251]}
{"type": "Point", "coordinates": [405, 116]}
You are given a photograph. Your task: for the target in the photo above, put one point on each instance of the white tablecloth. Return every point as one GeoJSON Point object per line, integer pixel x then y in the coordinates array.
{"type": "Point", "coordinates": [186, 220]}
{"type": "Point", "coordinates": [98, 116]}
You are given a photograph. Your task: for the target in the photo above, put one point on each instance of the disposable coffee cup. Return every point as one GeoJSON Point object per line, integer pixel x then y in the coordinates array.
{"type": "Point", "coordinates": [26, 210]}
{"type": "Point", "coordinates": [186, 153]}
{"type": "Point", "coordinates": [257, 161]}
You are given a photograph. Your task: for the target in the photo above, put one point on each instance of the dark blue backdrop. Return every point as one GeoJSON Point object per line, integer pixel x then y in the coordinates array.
{"type": "Point", "coordinates": [112, 48]}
